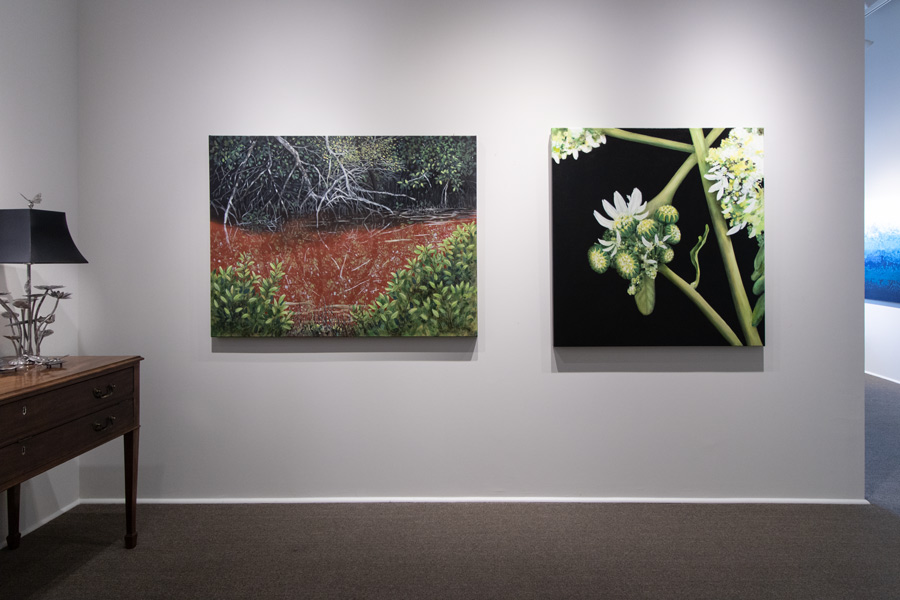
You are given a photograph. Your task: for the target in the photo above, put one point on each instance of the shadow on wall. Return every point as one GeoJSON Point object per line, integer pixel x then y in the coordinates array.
{"type": "Point", "coordinates": [377, 348]}
{"type": "Point", "coordinates": [641, 359]}
{"type": "Point", "coordinates": [39, 504]}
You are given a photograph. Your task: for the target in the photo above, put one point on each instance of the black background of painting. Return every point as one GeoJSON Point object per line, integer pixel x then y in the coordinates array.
{"type": "Point", "coordinates": [594, 310]}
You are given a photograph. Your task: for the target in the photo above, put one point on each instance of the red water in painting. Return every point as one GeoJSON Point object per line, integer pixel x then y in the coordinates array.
{"type": "Point", "coordinates": [334, 266]}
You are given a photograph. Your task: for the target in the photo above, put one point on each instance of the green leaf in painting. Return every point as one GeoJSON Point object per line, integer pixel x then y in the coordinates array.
{"type": "Point", "coordinates": [695, 255]}
{"type": "Point", "coordinates": [759, 310]}
{"type": "Point", "coordinates": [760, 285]}
{"type": "Point", "coordinates": [646, 296]}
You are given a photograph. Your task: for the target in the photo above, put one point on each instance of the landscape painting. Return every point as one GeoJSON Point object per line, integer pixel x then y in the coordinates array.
{"type": "Point", "coordinates": [658, 237]}
{"type": "Point", "coordinates": [343, 236]}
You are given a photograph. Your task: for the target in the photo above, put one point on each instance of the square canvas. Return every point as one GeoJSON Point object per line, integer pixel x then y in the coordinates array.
{"type": "Point", "coordinates": [343, 236]}
{"type": "Point", "coordinates": [658, 237]}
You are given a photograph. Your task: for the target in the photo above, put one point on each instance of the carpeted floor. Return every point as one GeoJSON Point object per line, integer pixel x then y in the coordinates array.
{"type": "Point", "coordinates": [883, 443]}
{"type": "Point", "coordinates": [467, 551]}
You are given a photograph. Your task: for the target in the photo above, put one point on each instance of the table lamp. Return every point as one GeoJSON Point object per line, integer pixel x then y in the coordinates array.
{"type": "Point", "coordinates": [30, 236]}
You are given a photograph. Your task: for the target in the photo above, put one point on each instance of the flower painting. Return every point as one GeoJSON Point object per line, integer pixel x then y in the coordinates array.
{"type": "Point", "coordinates": [658, 237]}
{"type": "Point", "coordinates": [342, 236]}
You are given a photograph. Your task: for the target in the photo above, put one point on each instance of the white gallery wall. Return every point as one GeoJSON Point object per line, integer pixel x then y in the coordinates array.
{"type": "Point", "coordinates": [882, 338]}
{"type": "Point", "coordinates": [39, 154]}
{"type": "Point", "coordinates": [504, 416]}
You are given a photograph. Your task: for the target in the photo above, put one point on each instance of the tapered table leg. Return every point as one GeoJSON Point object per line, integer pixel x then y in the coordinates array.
{"type": "Point", "coordinates": [13, 499]}
{"type": "Point", "coordinates": [131, 473]}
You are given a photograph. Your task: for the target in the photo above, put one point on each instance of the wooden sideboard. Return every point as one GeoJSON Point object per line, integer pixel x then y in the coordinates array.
{"type": "Point", "coordinates": [51, 415]}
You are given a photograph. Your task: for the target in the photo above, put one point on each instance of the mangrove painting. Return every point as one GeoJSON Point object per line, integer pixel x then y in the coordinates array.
{"type": "Point", "coordinates": [658, 237]}
{"type": "Point", "coordinates": [343, 236]}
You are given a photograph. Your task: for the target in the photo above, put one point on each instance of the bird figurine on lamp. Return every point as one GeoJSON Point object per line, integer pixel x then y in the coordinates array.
{"type": "Point", "coordinates": [31, 236]}
{"type": "Point", "coordinates": [32, 201]}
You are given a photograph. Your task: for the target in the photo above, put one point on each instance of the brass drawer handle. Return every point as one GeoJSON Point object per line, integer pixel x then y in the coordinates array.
{"type": "Point", "coordinates": [98, 426]}
{"type": "Point", "coordinates": [100, 394]}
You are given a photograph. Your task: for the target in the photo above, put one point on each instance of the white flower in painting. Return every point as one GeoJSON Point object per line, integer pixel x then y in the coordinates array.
{"type": "Point", "coordinates": [736, 170]}
{"type": "Point", "coordinates": [736, 228]}
{"type": "Point", "coordinates": [611, 246]}
{"type": "Point", "coordinates": [573, 140]}
{"type": "Point", "coordinates": [647, 260]}
{"type": "Point", "coordinates": [649, 266]}
{"type": "Point", "coordinates": [623, 216]}
{"type": "Point", "coordinates": [721, 182]}
{"type": "Point", "coordinates": [590, 143]}
{"type": "Point", "coordinates": [656, 243]}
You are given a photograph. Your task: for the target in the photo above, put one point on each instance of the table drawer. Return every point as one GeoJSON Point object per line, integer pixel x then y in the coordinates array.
{"type": "Point", "coordinates": [66, 441]}
{"type": "Point", "coordinates": [27, 416]}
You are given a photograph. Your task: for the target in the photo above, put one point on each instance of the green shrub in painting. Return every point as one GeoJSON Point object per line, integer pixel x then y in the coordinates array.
{"type": "Point", "coordinates": [246, 304]}
{"type": "Point", "coordinates": [435, 294]}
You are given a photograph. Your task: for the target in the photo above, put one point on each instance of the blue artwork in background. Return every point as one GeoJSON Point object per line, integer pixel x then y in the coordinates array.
{"type": "Point", "coordinates": [882, 251]}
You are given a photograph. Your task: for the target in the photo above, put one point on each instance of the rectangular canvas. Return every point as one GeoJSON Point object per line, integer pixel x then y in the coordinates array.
{"type": "Point", "coordinates": [882, 256]}
{"type": "Point", "coordinates": [342, 236]}
{"type": "Point", "coordinates": [658, 237]}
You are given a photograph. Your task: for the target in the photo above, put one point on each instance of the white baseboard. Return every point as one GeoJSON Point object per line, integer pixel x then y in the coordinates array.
{"type": "Point", "coordinates": [892, 380]}
{"type": "Point", "coordinates": [448, 499]}
{"type": "Point", "coordinates": [476, 499]}
{"type": "Point", "coordinates": [45, 520]}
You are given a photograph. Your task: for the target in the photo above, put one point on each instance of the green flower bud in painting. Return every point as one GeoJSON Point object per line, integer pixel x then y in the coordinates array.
{"type": "Point", "coordinates": [647, 229]}
{"type": "Point", "coordinates": [668, 256]}
{"type": "Point", "coordinates": [598, 259]}
{"type": "Point", "coordinates": [667, 214]}
{"type": "Point", "coordinates": [626, 225]}
{"type": "Point", "coordinates": [627, 265]}
{"type": "Point", "coordinates": [673, 233]}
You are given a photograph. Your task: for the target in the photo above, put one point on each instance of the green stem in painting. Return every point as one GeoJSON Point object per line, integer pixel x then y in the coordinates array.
{"type": "Point", "coordinates": [720, 227]}
{"type": "Point", "coordinates": [667, 195]}
{"type": "Point", "coordinates": [708, 311]}
{"type": "Point", "coordinates": [648, 139]}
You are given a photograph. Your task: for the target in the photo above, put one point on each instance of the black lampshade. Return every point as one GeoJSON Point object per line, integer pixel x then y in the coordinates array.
{"type": "Point", "coordinates": [28, 235]}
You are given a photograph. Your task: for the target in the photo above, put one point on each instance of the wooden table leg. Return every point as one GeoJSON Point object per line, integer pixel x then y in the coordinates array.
{"type": "Point", "coordinates": [131, 472]}
{"type": "Point", "coordinates": [13, 496]}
